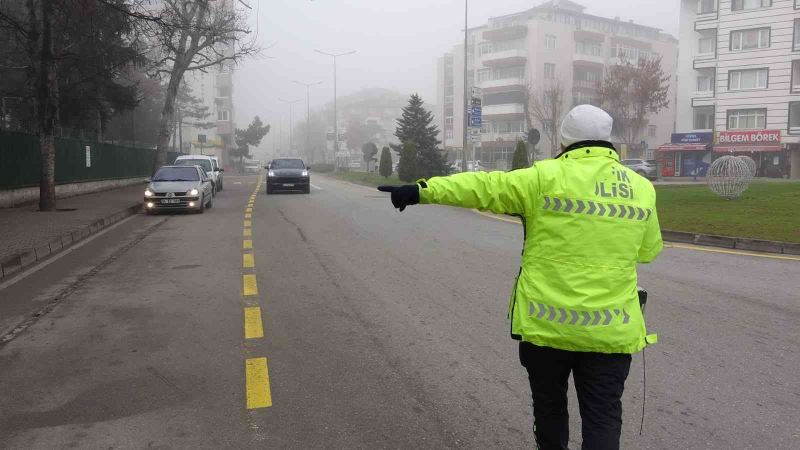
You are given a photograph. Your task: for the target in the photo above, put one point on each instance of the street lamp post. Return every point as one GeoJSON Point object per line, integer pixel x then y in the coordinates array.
{"type": "Point", "coordinates": [335, 113]}
{"type": "Point", "coordinates": [290, 102]}
{"type": "Point", "coordinates": [308, 117]}
{"type": "Point", "coordinates": [466, 101]}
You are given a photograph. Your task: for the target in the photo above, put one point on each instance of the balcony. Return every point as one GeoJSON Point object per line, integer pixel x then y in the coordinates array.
{"type": "Point", "coordinates": [585, 84]}
{"type": "Point", "coordinates": [704, 62]}
{"type": "Point", "coordinates": [506, 33]}
{"type": "Point", "coordinates": [504, 111]}
{"type": "Point", "coordinates": [503, 83]}
{"type": "Point", "coordinates": [513, 57]}
{"type": "Point", "coordinates": [582, 59]}
{"type": "Point", "coordinates": [502, 137]}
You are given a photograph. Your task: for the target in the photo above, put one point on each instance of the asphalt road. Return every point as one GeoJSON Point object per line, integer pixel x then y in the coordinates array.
{"type": "Point", "coordinates": [380, 330]}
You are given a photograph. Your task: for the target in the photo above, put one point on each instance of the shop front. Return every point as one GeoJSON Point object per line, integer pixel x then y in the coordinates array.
{"type": "Point", "coordinates": [687, 155]}
{"type": "Point", "coordinates": [764, 146]}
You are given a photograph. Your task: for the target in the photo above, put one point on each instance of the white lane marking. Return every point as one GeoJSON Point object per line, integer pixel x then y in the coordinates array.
{"type": "Point", "coordinates": [17, 278]}
{"type": "Point", "coordinates": [316, 187]}
{"type": "Point", "coordinates": [237, 182]}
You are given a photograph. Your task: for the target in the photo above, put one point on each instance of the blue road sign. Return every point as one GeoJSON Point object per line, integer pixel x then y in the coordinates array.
{"type": "Point", "coordinates": [475, 116]}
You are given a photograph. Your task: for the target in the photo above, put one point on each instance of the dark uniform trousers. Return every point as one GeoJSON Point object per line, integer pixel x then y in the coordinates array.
{"type": "Point", "coordinates": [599, 382]}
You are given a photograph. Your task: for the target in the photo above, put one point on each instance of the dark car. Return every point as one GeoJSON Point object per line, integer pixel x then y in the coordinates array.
{"type": "Point", "coordinates": [288, 175]}
{"type": "Point", "coordinates": [178, 188]}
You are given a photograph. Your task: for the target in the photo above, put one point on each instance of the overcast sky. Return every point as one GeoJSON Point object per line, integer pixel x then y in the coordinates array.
{"type": "Point", "coordinates": [397, 44]}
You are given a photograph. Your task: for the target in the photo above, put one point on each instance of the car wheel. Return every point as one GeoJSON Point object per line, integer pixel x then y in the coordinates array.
{"type": "Point", "coordinates": [221, 186]}
{"type": "Point", "coordinates": [307, 190]}
{"type": "Point", "coordinates": [269, 191]}
{"type": "Point", "coordinates": [213, 189]}
{"type": "Point", "coordinates": [210, 202]}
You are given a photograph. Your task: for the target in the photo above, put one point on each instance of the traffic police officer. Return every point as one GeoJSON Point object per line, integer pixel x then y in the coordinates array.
{"type": "Point", "coordinates": [574, 307]}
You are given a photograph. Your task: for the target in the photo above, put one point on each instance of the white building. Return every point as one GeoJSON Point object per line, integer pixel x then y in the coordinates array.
{"type": "Point", "coordinates": [554, 43]}
{"type": "Point", "coordinates": [739, 79]}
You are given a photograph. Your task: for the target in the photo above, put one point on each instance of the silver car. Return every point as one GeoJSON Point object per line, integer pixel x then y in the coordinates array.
{"type": "Point", "coordinates": [185, 188]}
{"type": "Point", "coordinates": [644, 167]}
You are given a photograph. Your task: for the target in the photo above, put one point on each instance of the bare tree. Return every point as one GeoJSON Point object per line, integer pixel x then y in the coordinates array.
{"type": "Point", "coordinates": [544, 110]}
{"type": "Point", "coordinates": [631, 93]}
{"type": "Point", "coordinates": [190, 35]}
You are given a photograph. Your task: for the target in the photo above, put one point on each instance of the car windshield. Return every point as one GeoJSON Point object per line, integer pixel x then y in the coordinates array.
{"type": "Point", "coordinates": [204, 163]}
{"type": "Point", "coordinates": [287, 164]}
{"type": "Point", "coordinates": [176, 174]}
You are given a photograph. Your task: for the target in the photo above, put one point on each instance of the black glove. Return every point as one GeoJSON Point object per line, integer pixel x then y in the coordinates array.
{"type": "Point", "coordinates": [402, 196]}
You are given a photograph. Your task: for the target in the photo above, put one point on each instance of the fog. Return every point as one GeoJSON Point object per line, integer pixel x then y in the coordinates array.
{"type": "Point", "coordinates": [397, 44]}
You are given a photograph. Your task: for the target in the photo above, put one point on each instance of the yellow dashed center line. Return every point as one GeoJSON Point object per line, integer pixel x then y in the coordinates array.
{"type": "Point", "coordinates": [247, 244]}
{"type": "Point", "coordinates": [248, 210]}
{"type": "Point", "coordinates": [257, 381]}
{"type": "Point", "coordinates": [253, 327]}
{"type": "Point", "coordinates": [248, 223]}
{"type": "Point", "coordinates": [248, 261]}
{"type": "Point", "coordinates": [249, 285]}
{"type": "Point", "coordinates": [247, 232]}
{"type": "Point", "coordinates": [248, 215]}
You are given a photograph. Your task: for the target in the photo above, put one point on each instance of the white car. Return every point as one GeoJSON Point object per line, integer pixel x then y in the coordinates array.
{"type": "Point", "coordinates": [208, 164]}
{"type": "Point", "coordinates": [219, 170]}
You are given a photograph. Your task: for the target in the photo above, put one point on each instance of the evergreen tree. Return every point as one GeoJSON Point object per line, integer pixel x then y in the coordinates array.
{"type": "Point", "coordinates": [415, 125]}
{"type": "Point", "coordinates": [520, 160]}
{"type": "Point", "coordinates": [385, 167]}
{"type": "Point", "coordinates": [369, 150]}
{"type": "Point", "coordinates": [407, 168]}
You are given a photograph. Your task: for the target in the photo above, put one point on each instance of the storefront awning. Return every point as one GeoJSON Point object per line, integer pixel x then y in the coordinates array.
{"type": "Point", "coordinates": [746, 148]}
{"type": "Point", "coordinates": [683, 148]}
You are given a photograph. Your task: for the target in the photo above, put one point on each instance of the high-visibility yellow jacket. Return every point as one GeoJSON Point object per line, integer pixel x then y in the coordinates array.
{"type": "Point", "coordinates": [588, 220]}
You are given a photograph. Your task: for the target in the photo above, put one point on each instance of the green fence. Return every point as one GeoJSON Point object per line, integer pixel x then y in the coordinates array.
{"type": "Point", "coordinates": [20, 159]}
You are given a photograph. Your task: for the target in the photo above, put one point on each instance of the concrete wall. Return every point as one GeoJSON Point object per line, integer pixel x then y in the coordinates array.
{"type": "Point", "coordinates": [17, 197]}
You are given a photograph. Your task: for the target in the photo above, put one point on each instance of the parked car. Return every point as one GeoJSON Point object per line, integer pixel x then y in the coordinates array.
{"type": "Point", "coordinates": [472, 166]}
{"type": "Point", "coordinates": [644, 167]}
{"type": "Point", "coordinates": [252, 166]}
{"type": "Point", "coordinates": [204, 161]}
{"type": "Point", "coordinates": [218, 169]}
{"type": "Point", "coordinates": [288, 175]}
{"type": "Point", "coordinates": [180, 187]}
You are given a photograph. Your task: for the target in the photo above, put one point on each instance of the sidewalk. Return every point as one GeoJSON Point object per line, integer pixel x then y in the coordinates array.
{"type": "Point", "coordinates": [25, 230]}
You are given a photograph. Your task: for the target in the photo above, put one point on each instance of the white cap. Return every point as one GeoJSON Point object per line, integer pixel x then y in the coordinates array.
{"type": "Point", "coordinates": [586, 123]}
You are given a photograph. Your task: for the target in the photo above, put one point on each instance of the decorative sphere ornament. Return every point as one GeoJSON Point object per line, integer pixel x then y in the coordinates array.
{"type": "Point", "coordinates": [729, 176]}
{"type": "Point", "coordinates": [750, 163]}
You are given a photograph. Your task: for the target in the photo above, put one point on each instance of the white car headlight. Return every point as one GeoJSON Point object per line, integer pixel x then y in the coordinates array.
{"type": "Point", "coordinates": [305, 173]}
{"type": "Point", "coordinates": [270, 174]}
{"type": "Point", "coordinates": [148, 193]}
{"type": "Point", "coordinates": [194, 192]}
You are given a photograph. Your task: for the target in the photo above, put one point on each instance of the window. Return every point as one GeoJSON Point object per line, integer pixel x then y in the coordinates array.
{"type": "Point", "coordinates": [549, 41]}
{"type": "Point", "coordinates": [796, 40]}
{"type": "Point", "coordinates": [484, 75]}
{"type": "Point", "coordinates": [448, 134]}
{"type": "Point", "coordinates": [703, 118]}
{"type": "Point", "coordinates": [547, 126]}
{"type": "Point", "coordinates": [549, 71]}
{"type": "Point", "coordinates": [223, 114]}
{"type": "Point", "coordinates": [705, 82]}
{"type": "Point", "coordinates": [739, 5]}
{"type": "Point", "coordinates": [747, 119]}
{"type": "Point", "coordinates": [795, 86]}
{"type": "Point", "coordinates": [484, 48]}
{"type": "Point", "coordinates": [706, 6]}
{"type": "Point", "coordinates": [590, 48]}
{"type": "Point", "coordinates": [629, 53]}
{"type": "Point", "coordinates": [706, 45]}
{"type": "Point", "coordinates": [750, 39]}
{"type": "Point", "coordinates": [651, 131]}
{"type": "Point", "coordinates": [747, 79]}
{"type": "Point", "coordinates": [794, 117]}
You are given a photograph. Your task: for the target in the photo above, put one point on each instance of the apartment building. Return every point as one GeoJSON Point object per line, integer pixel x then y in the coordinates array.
{"type": "Point", "coordinates": [521, 54]}
{"type": "Point", "coordinates": [738, 86]}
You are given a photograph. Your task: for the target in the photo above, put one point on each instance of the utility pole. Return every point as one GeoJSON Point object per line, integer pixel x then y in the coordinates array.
{"type": "Point", "coordinates": [290, 102]}
{"type": "Point", "coordinates": [466, 101]}
{"type": "Point", "coordinates": [335, 112]}
{"type": "Point", "coordinates": [308, 118]}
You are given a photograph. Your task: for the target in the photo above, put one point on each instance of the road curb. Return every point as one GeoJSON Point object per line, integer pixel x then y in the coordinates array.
{"type": "Point", "coordinates": [26, 259]}
{"type": "Point", "coordinates": [738, 243]}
